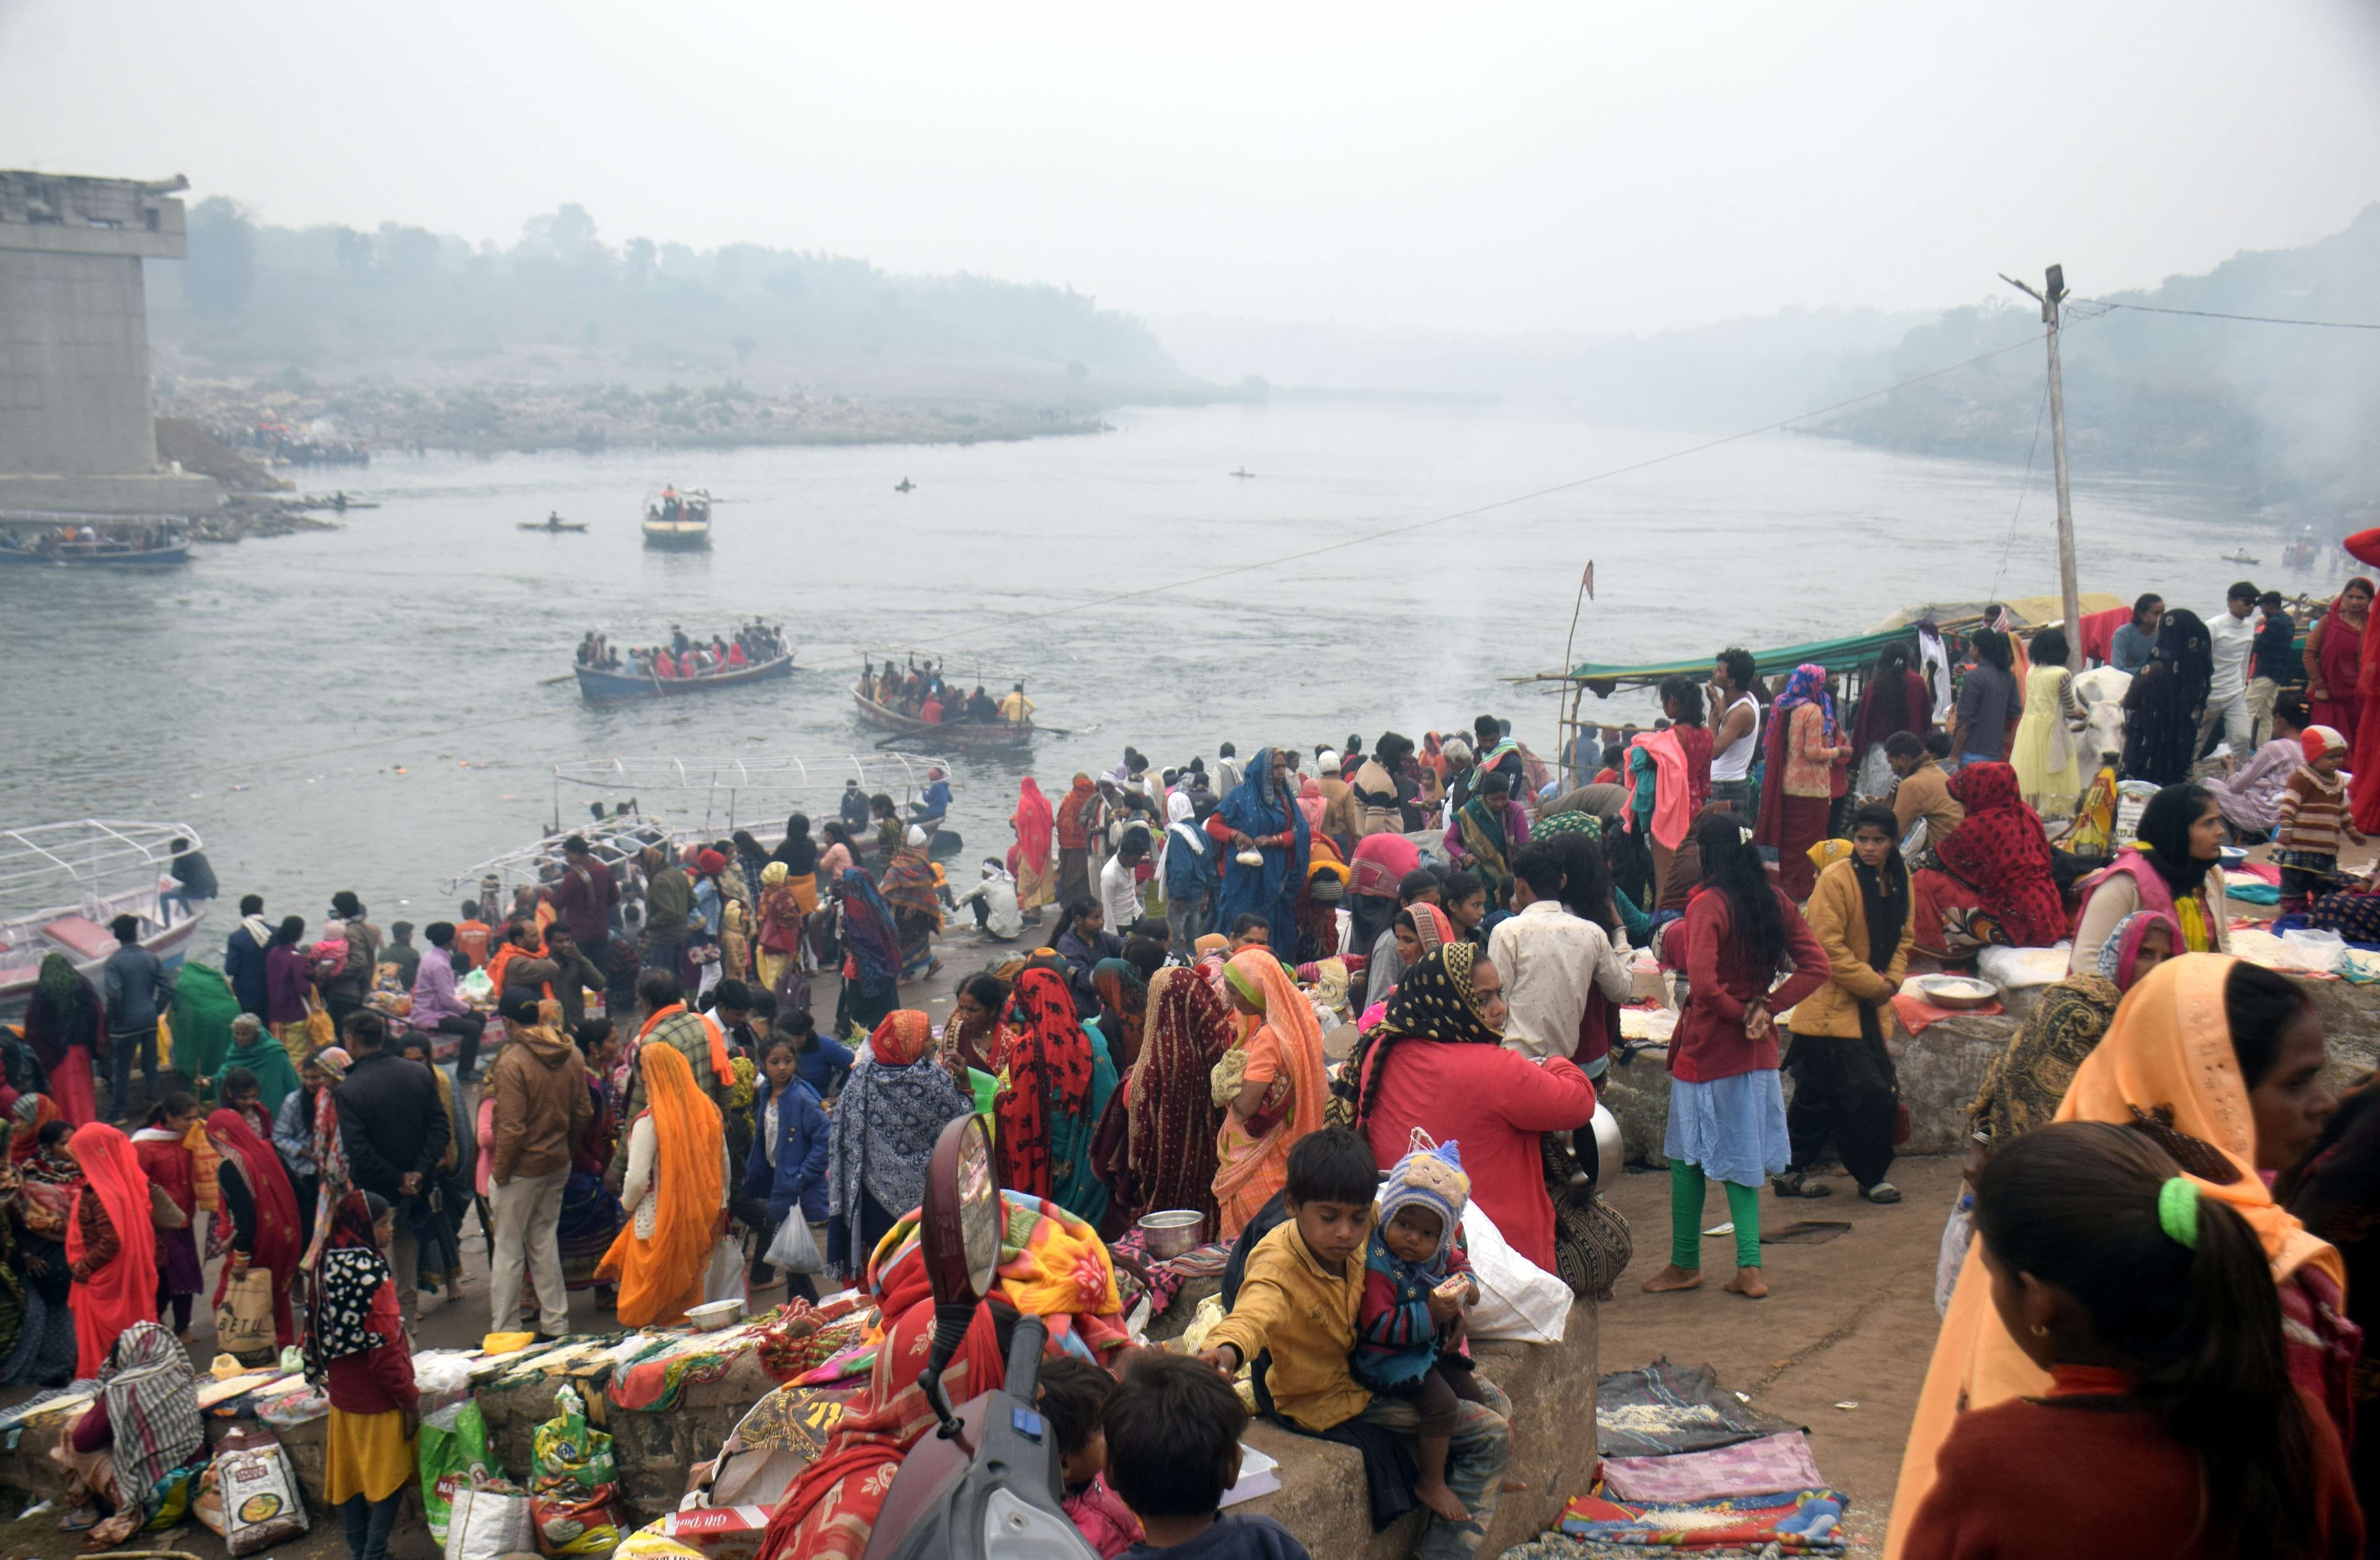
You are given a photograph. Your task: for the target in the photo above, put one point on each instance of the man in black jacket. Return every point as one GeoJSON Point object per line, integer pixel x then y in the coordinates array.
{"type": "Point", "coordinates": [394, 1129]}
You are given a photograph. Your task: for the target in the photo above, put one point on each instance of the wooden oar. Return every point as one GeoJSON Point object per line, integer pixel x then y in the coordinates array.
{"type": "Point", "coordinates": [549, 682]}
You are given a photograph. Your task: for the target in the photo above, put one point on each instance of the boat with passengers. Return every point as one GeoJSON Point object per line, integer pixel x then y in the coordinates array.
{"type": "Point", "coordinates": [61, 885]}
{"type": "Point", "coordinates": [678, 521]}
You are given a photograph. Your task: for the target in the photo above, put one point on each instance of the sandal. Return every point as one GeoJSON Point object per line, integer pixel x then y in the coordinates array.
{"type": "Point", "coordinates": [81, 1520]}
{"type": "Point", "coordinates": [1883, 1192]}
{"type": "Point", "coordinates": [1794, 1183]}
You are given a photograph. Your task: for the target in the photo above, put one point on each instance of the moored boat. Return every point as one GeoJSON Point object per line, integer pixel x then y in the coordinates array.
{"type": "Point", "coordinates": [81, 541]}
{"type": "Point", "coordinates": [62, 884]}
{"type": "Point", "coordinates": [678, 521]}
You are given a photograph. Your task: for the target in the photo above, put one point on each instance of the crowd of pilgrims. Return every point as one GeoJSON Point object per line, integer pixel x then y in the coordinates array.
{"type": "Point", "coordinates": [2154, 1345]}
{"type": "Point", "coordinates": [755, 644]}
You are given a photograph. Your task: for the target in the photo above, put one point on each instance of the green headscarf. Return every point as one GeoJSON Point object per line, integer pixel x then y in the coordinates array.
{"type": "Point", "coordinates": [265, 1056]}
{"type": "Point", "coordinates": [204, 1009]}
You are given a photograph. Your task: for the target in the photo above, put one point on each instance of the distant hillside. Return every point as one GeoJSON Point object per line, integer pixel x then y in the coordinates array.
{"type": "Point", "coordinates": [563, 307]}
{"type": "Point", "coordinates": [2289, 415]}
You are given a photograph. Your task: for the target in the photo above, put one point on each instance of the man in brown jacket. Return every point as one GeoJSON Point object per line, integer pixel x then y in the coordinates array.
{"type": "Point", "coordinates": [1924, 791]}
{"type": "Point", "coordinates": [542, 1105]}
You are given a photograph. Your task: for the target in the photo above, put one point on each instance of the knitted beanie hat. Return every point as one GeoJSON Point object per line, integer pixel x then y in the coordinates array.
{"type": "Point", "coordinates": [2320, 740]}
{"type": "Point", "coordinates": [1431, 1177]}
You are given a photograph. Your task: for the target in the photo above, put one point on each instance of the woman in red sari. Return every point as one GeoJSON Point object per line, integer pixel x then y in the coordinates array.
{"type": "Point", "coordinates": [1075, 841]}
{"type": "Point", "coordinates": [2365, 756]}
{"type": "Point", "coordinates": [262, 1208]}
{"type": "Point", "coordinates": [109, 1250]}
{"type": "Point", "coordinates": [1991, 881]}
{"type": "Point", "coordinates": [2334, 660]}
{"type": "Point", "coordinates": [1036, 872]}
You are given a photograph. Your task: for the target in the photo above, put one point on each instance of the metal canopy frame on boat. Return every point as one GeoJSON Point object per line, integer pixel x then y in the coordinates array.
{"type": "Point", "coordinates": [84, 853]}
{"type": "Point", "coordinates": [728, 779]}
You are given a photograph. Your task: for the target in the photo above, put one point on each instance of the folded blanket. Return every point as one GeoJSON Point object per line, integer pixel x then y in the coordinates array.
{"type": "Point", "coordinates": [1801, 1522]}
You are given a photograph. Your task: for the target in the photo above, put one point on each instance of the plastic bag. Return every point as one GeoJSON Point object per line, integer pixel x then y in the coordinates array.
{"type": "Point", "coordinates": [577, 1482]}
{"type": "Point", "coordinates": [488, 1518]}
{"type": "Point", "coordinates": [795, 1250]}
{"type": "Point", "coordinates": [454, 1444]}
{"type": "Point", "coordinates": [2317, 953]}
{"type": "Point", "coordinates": [292, 1408]}
{"type": "Point", "coordinates": [258, 1492]}
{"type": "Point", "coordinates": [724, 1279]}
{"type": "Point", "coordinates": [1958, 1235]}
{"type": "Point", "coordinates": [1517, 1299]}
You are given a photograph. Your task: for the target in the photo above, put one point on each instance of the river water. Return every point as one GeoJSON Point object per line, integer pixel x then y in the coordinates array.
{"type": "Point", "coordinates": [361, 708]}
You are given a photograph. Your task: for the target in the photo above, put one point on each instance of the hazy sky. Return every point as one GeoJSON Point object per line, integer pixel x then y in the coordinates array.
{"type": "Point", "coordinates": [1480, 168]}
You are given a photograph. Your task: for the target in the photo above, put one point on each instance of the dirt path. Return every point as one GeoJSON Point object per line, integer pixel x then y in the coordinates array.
{"type": "Point", "coordinates": [1851, 1321]}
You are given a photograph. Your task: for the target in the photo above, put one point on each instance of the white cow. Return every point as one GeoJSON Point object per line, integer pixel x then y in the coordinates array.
{"type": "Point", "coordinates": [2102, 688]}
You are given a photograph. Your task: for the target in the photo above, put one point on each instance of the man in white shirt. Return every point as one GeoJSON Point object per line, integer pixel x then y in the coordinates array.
{"type": "Point", "coordinates": [994, 902]}
{"type": "Point", "coordinates": [1119, 882]}
{"type": "Point", "coordinates": [1549, 959]}
{"type": "Point", "coordinates": [2233, 632]}
{"type": "Point", "coordinates": [1227, 772]}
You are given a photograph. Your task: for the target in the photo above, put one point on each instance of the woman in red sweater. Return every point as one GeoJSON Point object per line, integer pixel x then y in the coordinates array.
{"type": "Point", "coordinates": [355, 1347]}
{"type": "Point", "coordinates": [1727, 1106]}
{"type": "Point", "coordinates": [2170, 1427]}
{"type": "Point", "coordinates": [1438, 1062]}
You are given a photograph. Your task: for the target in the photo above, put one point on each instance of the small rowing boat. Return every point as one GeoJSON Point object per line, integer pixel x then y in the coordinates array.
{"type": "Point", "coordinates": [678, 521]}
{"type": "Point", "coordinates": [554, 522]}
{"type": "Point", "coordinates": [600, 685]}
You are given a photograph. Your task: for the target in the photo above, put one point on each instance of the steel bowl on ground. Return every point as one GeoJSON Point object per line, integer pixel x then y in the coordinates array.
{"type": "Point", "coordinates": [1957, 992]}
{"type": "Point", "coordinates": [717, 1314]}
{"type": "Point", "coordinates": [1173, 1231]}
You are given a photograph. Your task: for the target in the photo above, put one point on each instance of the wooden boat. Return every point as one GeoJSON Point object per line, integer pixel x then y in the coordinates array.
{"type": "Point", "coordinates": [598, 685]}
{"type": "Point", "coordinates": [554, 525]}
{"type": "Point", "coordinates": [158, 543]}
{"type": "Point", "coordinates": [2239, 556]}
{"type": "Point", "coordinates": [678, 521]}
{"type": "Point", "coordinates": [963, 735]}
{"type": "Point", "coordinates": [1242, 471]}
{"type": "Point", "coordinates": [62, 884]}
{"type": "Point", "coordinates": [904, 485]}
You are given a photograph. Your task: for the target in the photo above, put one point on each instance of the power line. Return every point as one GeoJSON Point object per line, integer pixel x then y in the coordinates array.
{"type": "Point", "coordinates": [2251, 319]}
{"type": "Point", "coordinates": [1412, 526]}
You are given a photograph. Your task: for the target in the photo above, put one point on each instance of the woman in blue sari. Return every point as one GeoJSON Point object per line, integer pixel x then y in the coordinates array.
{"type": "Point", "coordinates": [871, 963]}
{"type": "Point", "coordinates": [1262, 814]}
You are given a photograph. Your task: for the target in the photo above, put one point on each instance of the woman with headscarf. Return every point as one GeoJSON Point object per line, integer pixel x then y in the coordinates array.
{"type": "Point", "coordinates": [1074, 831]}
{"type": "Point", "coordinates": [108, 1247]}
{"type": "Point", "coordinates": [63, 1026]}
{"type": "Point", "coordinates": [2334, 660]}
{"type": "Point", "coordinates": [2166, 702]}
{"type": "Point", "coordinates": [1844, 1087]}
{"type": "Point", "coordinates": [1049, 1264]}
{"type": "Point", "coordinates": [910, 888]}
{"type": "Point", "coordinates": [1437, 1063]}
{"type": "Point", "coordinates": [1317, 908]}
{"type": "Point", "coordinates": [894, 1107]}
{"type": "Point", "coordinates": [1991, 881]}
{"type": "Point", "coordinates": [1123, 987]}
{"type": "Point", "coordinates": [1058, 1082]}
{"type": "Point", "coordinates": [49, 1185]}
{"type": "Point", "coordinates": [1274, 1094]}
{"type": "Point", "coordinates": [145, 1427]}
{"type": "Point", "coordinates": [1894, 700]}
{"type": "Point", "coordinates": [1415, 931]}
{"type": "Point", "coordinates": [872, 953]}
{"type": "Point", "coordinates": [356, 1351]}
{"type": "Point", "coordinates": [2219, 1064]}
{"type": "Point", "coordinates": [254, 1047]}
{"type": "Point", "coordinates": [799, 854]}
{"type": "Point", "coordinates": [1381, 863]}
{"type": "Point", "coordinates": [262, 1207]}
{"type": "Point", "coordinates": [202, 1014]}
{"type": "Point", "coordinates": [1168, 1098]}
{"type": "Point", "coordinates": [1805, 754]}
{"type": "Point", "coordinates": [674, 1195]}
{"type": "Point", "coordinates": [2025, 1084]}
{"type": "Point", "coordinates": [777, 924]}
{"type": "Point", "coordinates": [2171, 867]}
{"type": "Point", "coordinates": [1035, 872]}
{"type": "Point", "coordinates": [590, 1214]}
{"type": "Point", "coordinates": [1260, 819]}
{"type": "Point", "coordinates": [1489, 830]}
{"type": "Point", "coordinates": [333, 1180]}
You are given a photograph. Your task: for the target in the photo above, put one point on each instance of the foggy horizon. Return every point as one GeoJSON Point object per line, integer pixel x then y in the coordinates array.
{"type": "Point", "coordinates": [1529, 170]}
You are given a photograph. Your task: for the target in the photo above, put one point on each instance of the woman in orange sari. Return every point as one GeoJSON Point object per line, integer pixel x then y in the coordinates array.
{"type": "Point", "coordinates": [261, 1208]}
{"type": "Point", "coordinates": [1279, 1091]}
{"type": "Point", "coordinates": [1035, 872]}
{"type": "Point", "coordinates": [674, 1194]}
{"type": "Point", "coordinates": [109, 1250]}
{"type": "Point", "coordinates": [2226, 1098]}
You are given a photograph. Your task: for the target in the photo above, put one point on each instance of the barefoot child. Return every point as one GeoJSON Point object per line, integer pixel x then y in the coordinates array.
{"type": "Point", "coordinates": [1299, 1302]}
{"type": "Point", "coordinates": [1417, 1285]}
{"type": "Point", "coordinates": [1073, 1394]}
{"type": "Point", "coordinates": [2171, 1426]}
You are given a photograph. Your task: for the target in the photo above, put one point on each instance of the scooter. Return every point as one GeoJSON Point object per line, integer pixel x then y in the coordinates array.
{"type": "Point", "coordinates": [985, 1485]}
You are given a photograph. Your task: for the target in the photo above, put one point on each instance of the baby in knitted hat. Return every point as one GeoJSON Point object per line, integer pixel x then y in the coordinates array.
{"type": "Point", "coordinates": [2313, 819]}
{"type": "Point", "coordinates": [1416, 1285]}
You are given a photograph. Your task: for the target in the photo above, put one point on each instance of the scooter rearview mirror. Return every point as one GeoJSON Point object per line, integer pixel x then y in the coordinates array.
{"type": "Point", "coordinates": [959, 1238]}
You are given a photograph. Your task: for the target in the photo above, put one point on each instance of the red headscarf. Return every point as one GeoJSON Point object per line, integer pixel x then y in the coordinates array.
{"type": "Point", "coordinates": [1033, 821]}
{"type": "Point", "coordinates": [1049, 1077]}
{"type": "Point", "coordinates": [280, 1240]}
{"type": "Point", "coordinates": [1071, 836]}
{"type": "Point", "coordinates": [902, 1038]}
{"type": "Point", "coordinates": [2001, 851]}
{"type": "Point", "coordinates": [124, 1291]}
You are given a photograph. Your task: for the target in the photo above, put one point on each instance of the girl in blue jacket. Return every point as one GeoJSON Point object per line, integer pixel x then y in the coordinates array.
{"type": "Point", "coordinates": [788, 1161]}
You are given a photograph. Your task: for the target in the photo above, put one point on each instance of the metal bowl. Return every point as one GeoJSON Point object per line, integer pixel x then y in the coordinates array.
{"type": "Point", "coordinates": [1957, 992]}
{"type": "Point", "coordinates": [1173, 1231]}
{"type": "Point", "coordinates": [717, 1314]}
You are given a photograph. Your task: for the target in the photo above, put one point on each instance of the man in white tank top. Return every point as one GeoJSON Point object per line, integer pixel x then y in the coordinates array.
{"type": "Point", "coordinates": [1735, 736]}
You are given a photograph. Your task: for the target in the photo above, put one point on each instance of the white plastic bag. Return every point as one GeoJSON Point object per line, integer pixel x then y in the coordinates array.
{"type": "Point", "coordinates": [489, 1519]}
{"type": "Point", "coordinates": [1958, 1235]}
{"type": "Point", "coordinates": [724, 1279]}
{"type": "Point", "coordinates": [1517, 1299]}
{"type": "Point", "coordinates": [795, 1250]}
{"type": "Point", "coordinates": [2317, 953]}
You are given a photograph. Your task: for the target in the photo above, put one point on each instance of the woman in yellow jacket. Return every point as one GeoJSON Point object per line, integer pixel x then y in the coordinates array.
{"type": "Point", "coordinates": [1843, 1082]}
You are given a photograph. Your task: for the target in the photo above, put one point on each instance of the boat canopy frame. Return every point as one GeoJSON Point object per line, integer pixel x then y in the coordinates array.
{"type": "Point", "coordinates": [83, 854]}
{"type": "Point", "coordinates": [723, 781]}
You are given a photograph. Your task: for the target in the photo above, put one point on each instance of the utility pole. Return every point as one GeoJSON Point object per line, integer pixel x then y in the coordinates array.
{"type": "Point", "coordinates": [2051, 295]}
